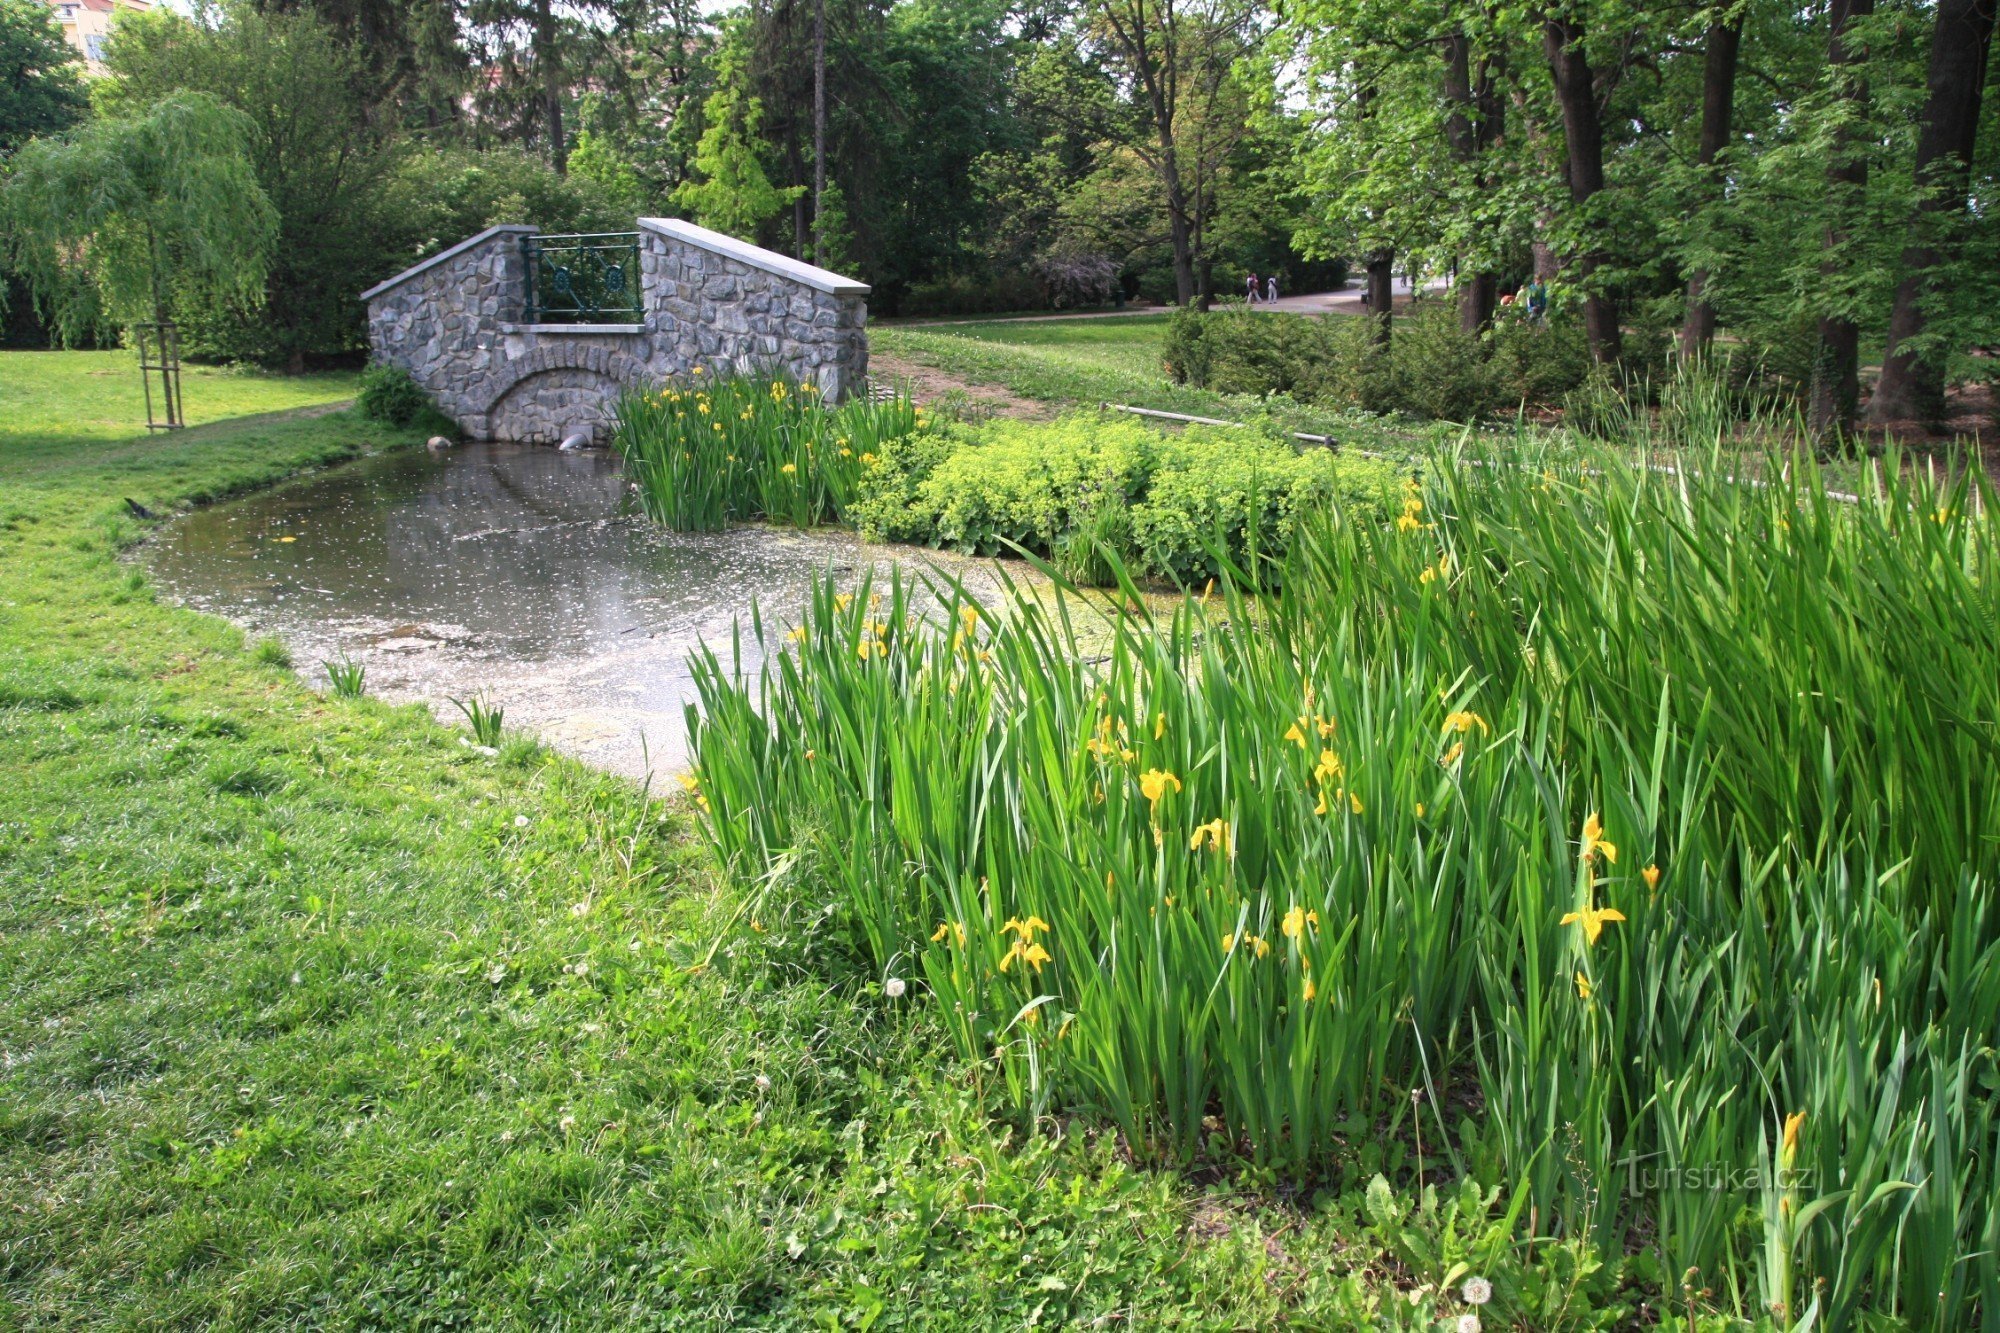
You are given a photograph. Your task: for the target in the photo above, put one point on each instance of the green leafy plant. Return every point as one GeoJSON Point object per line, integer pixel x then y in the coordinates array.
{"type": "Point", "coordinates": [388, 393]}
{"type": "Point", "coordinates": [485, 719]}
{"type": "Point", "coordinates": [346, 677]}
{"type": "Point", "coordinates": [704, 454]}
{"type": "Point", "coordinates": [1593, 803]}
{"type": "Point", "coordinates": [1094, 489]}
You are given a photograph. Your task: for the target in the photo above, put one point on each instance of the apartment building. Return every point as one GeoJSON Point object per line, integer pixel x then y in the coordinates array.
{"type": "Point", "coordinates": [87, 23]}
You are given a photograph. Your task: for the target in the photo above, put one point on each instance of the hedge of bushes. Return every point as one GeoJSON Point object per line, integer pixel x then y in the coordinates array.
{"type": "Point", "coordinates": [1430, 368]}
{"type": "Point", "coordinates": [1167, 506]}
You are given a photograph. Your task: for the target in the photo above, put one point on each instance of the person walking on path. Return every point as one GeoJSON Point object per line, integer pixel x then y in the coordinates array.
{"type": "Point", "coordinates": [1538, 300]}
{"type": "Point", "coordinates": [1271, 290]}
{"type": "Point", "coordinates": [1250, 288]}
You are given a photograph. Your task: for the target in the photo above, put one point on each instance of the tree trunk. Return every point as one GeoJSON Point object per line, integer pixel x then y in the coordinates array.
{"type": "Point", "coordinates": [819, 126]}
{"type": "Point", "coordinates": [1177, 223]}
{"type": "Point", "coordinates": [1718, 107]}
{"type": "Point", "coordinates": [1583, 133]}
{"type": "Point", "coordinates": [1912, 384]}
{"type": "Point", "coordinates": [1381, 293]}
{"type": "Point", "coordinates": [1471, 126]}
{"type": "Point", "coordinates": [549, 64]}
{"type": "Point", "coordinates": [1837, 364]}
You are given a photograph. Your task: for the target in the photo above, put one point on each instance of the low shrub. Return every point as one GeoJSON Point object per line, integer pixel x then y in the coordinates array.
{"type": "Point", "coordinates": [1436, 370]}
{"type": "Point", "coordinates": [1534, 365]}
{"type": "Point", "coordinates": [389, 393]}
{"type": "Point", "coordinates": [1168, 506]}
{"type": "Point", "coordinates": [1010, 483]}
{"type": "Point", "coordinates": [1238, 495]}
{"type": "Point", "coordinates": [972, 294]}
{"type": "Point", "coordinates": [1430, 367]}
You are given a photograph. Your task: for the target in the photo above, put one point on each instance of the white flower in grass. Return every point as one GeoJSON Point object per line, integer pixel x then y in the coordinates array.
{"type": "Point", "coordinates": [1468, 1323]}
{"type": "Point", "coordinates": [763, 1082]}
{"type": "Point", "coordinates": [1477, 1291]}
{"type": "Point", "coordinates": [894, 988]}
{"type": "Point", "coordinates": [520, 821]}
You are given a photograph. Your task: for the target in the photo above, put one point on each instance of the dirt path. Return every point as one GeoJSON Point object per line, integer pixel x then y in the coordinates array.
{"type": "Point", "coordinates": [927, 384]}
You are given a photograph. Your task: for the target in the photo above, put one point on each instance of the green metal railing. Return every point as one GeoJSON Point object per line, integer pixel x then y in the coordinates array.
{"type": "Point", "coordinates": [583, 279]}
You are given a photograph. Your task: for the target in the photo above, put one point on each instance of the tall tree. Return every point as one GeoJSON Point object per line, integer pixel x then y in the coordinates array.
{"type": "Point", "coordinates": [40, 88]}
{"type": "Point", "coordinates": [529, 59]}
{"type": "Point", "coordinates": [149, 208]}
{"type": "Point", "coordinates": [1835, 386]}
{"type": "Point", "coordinates": [1912, 386]}
{"type": "Point", "coordinates": [1179, 57]}
{"type": "Point", "coordinates": [1721, 47]}
{"type": "Point", "coordinates": [1474, 117]}
{"type": "Point", "coordinates": [733, 193]}
{"type": "Point", "coordinates": [322, 149]}
{"type": "Point", "coordinates": [1577, 92]}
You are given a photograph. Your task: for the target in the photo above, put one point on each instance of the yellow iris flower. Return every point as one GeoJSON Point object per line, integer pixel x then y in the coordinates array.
{"type": "Point", "coordinates": [1593, 920]}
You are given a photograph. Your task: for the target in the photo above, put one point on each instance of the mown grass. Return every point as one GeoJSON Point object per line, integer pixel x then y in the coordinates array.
{"type": "Point", "coordinates": [1625, 839]}
{"type": "Point", "coordinates": [97, 395]}
{"type": "Point", "coordinates": [310, 1016]}
{"type": "Point", "coordinates": [1093, 361]}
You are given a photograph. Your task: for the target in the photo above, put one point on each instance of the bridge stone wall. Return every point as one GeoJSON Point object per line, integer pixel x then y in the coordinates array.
{"type": "Point", "coordinates": [708, 300]}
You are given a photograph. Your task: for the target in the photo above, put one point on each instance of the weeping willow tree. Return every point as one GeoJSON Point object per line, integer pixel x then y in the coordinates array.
{"type": "Point", "coordinates": [134, 215]}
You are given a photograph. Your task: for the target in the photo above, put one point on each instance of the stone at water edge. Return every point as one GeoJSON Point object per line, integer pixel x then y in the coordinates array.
{"type": "Point", "coordinates": [572, 443]}
{"type": "Point", "coordinates": [437, 444]}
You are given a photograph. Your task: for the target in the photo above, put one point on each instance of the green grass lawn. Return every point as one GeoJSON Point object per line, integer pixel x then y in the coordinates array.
{"type": "Point", "coordinates": [1124, 344]}
{"type": "Point", "coordinates": [97, 395]}
{"type": "Point", "coordinates": [312, 1017]}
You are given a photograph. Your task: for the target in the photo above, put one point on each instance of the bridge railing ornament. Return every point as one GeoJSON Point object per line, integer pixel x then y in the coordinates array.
{"type": "Point", "coordinates": [584, 278]}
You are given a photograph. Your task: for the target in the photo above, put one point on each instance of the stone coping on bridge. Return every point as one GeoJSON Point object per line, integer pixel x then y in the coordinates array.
{"type": "Point", "coordinates": [809, 275]}
{"type": "Point", "coordinates": [446, 256]}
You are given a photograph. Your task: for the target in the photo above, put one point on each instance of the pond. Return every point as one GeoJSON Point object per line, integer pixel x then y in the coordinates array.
{"type": "Point", "coordinates": [503, 570]}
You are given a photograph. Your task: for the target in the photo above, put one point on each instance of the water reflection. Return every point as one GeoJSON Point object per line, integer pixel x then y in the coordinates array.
{"type": "Point", "coordinates": [506, 569]}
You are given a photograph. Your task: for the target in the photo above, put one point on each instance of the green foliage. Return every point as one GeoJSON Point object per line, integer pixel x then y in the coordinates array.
{"type": "Point", "coordinates": [346, 678]}
{"type": "Point", "coordinates": [1540, 799]}
{"type": "Point", "coordinates": [322, 154]}
{"type": "Point", "coordinates": [41, 88]}
{"type": "Point", "coordinates": [1234, 499]}
{"type": "Point", "coordinates": [708, 453]}
{"type": "Point", "coordinates": [447, 194]}
{"type": "Point", "coordinates": [833, 234]}
{"type": "Point", "coordinates": [389, 393]}
{"type": "Point", "coordinates": [1173, 507]}
{"type": "Point", "coordinates": [156, 207]}
{"type": "Point", "coordinates": [734, 195]}
{"type": "Point", "coordinates": [486, 719]}
{"type": "Point", "coordinates": [1431, 369]}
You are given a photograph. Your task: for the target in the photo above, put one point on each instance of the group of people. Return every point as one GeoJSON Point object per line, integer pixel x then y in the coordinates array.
{"type": "Point", "coordinates": [1261, 289]}
{"type": "Point", "coordinates": [1533, 296]}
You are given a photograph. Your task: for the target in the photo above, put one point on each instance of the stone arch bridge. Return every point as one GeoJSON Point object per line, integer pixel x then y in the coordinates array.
{"type": "Point", "coordinates": [467, 325]}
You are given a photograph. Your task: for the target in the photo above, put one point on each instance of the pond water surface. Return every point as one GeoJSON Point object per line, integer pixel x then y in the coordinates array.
{"type": "Point", "coordinates": [503, 570]}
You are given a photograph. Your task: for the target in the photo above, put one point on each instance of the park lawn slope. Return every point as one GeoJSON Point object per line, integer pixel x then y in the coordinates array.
{"type": "Point", "coordinates": [311, 1015]}
{"type": "Point", "coordinates": [1093, 361]}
